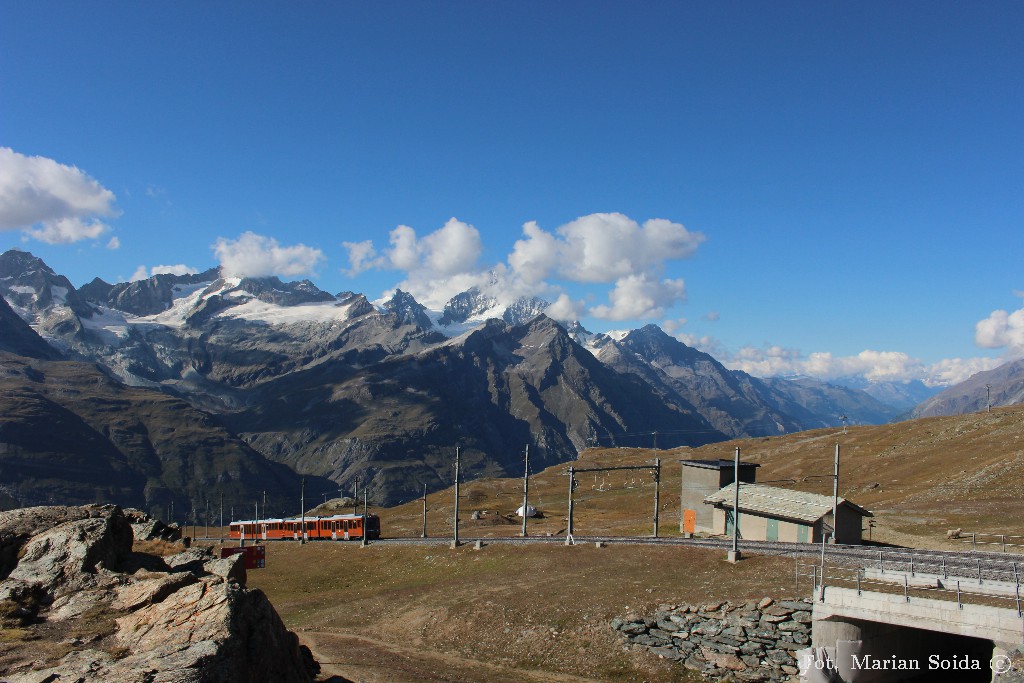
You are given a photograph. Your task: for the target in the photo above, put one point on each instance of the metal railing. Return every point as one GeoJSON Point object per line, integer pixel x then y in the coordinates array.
{"type": "Point", "coordinates": [975, 539]}
{"type": "Point", "coordinates": [831, 575]}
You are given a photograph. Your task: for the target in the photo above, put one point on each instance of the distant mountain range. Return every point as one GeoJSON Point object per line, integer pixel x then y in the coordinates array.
{"type": "Point", "coordinates": [348, 393]}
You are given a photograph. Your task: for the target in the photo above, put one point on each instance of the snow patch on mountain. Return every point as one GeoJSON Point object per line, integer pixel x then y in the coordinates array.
{"type": "Point", "coordinates": [109, 325]}
{"type": "Point", "coordinates": [255, 310]}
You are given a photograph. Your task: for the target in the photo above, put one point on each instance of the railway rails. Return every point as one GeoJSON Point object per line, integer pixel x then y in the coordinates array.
{"type": "Point", "coordinates": [976, 566]}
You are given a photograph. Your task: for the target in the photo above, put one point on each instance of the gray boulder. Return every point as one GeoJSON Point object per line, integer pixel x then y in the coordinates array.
{"type": "Point", "coordinates": [192, 620]}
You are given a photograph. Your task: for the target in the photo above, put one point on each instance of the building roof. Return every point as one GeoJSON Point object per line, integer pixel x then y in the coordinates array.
{"type": "Point", "coordinates": [771, 501]}
{"type": "Point", "coordinates": [717, 464]}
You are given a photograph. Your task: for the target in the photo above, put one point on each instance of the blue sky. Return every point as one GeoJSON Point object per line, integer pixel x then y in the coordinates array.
{"type": "Point", "coordinates": [835, 188]}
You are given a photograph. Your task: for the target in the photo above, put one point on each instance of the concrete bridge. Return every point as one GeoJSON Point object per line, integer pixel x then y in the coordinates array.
{"type": "Point", "coordinates": [878, 636]}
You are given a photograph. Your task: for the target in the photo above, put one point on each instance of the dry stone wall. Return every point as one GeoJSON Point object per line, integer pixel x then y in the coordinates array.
{"type": "Point", "coordinates": [753, 641]}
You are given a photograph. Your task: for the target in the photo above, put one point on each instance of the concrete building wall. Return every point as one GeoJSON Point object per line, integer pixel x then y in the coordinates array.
{"type": "Point", "coordinates": [849, 527]}
{"type": "Point", "coordinates": [755, 527]}
{"type": "Point", "coordinates": [699, 481]}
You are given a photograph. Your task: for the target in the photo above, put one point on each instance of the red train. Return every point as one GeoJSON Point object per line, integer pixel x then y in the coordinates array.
{"type": "Point", "coordinates": [333, 528]}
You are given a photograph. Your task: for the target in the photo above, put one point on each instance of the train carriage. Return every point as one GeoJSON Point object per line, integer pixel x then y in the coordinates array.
{"type": "Point", "coordinates": [332, 528]}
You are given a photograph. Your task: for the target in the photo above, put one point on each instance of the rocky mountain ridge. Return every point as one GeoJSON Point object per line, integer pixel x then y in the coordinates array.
{"type": "Point", "coordinates": [333, 386]}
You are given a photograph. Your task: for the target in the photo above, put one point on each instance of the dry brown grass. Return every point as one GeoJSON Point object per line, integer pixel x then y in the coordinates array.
{"type": "Point", "coordinates": [503, 613]}
{"type": "Point", "coordinates": [919, 477]}
{"type": "Point", "coordinates": [540, 613]}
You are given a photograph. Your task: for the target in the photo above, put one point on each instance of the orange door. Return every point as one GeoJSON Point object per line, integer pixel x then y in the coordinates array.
{"type": "Point", "coordinates": [689, 521]}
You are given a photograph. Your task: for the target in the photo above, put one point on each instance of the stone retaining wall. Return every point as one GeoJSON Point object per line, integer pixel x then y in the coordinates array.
{"type": "Point", "coordinates": [754, 641]}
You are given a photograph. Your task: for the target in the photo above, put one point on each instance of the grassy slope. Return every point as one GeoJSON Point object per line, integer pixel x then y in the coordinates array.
{"type": "Point", "coordinates": [541, 613]}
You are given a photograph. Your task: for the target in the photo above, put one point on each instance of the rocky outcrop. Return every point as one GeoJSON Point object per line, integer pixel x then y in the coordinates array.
{"type": "Point", "coordinates": [123, 617]}
{"type": "Point", "coordinates": [147, 528]}
{"type": "Point", "coordinates": [754, 641]}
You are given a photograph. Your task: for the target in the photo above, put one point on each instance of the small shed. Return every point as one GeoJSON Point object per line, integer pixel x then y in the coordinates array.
{"type": "Point", "coordinates": [700, 479]}
{"type": "Point", "coordinates": [769, 513]}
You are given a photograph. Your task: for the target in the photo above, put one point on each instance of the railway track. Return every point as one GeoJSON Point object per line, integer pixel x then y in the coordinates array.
{"type": "Point", "coordinates": [980, 566]}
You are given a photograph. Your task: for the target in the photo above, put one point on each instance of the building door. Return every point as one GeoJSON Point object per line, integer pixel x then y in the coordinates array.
{"type": "Point", "coordinates": [689, 521]}
{"type": "Point", "coordinates": [772, 530]}
{"type": "Point", "coordinates": [803, 533]}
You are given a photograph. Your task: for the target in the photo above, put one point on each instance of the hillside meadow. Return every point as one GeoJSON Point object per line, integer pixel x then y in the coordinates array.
{"type": "Point", "coordinates": [541, 612]}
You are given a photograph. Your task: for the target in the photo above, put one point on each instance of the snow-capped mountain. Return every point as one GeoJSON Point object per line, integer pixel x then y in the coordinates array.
{"type": "Point", "coordinates": [331, 385]}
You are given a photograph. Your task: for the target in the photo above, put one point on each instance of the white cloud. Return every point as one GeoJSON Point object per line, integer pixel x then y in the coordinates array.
{"type": "Point", "coordinates": [67, 230]}
{"type": "Point", "coordinates": [712, 316]}
{"type": "Point", "coordinates": [114, 243]}
{"type": "Point", "coordinates": [50, 201]}
{"type": "Point", "coordinates": [1002, 329]}
{"type": "Point", "coordinates": [361, 257]}
{"type": "Point", "coordinates": [598, 248]}
{"type": "Point", "coordinates": [534, 259]}
{"type": "Point", "coordinates": [601, 247]}
{"type": "Point", "coordinates": [874, 366]}
{"type": "Point", "coordinates": [564, 309]}
{"type": "Point", "coordinates": [252, 255]}
{"type": "Point", "coordinates": [452, 250]}
{"type": "Point", "coordinates": [179, 269]}
{"type": "Point", "coordinates": [437, 266]}
{"type": "Point", "coordinates": [638, 297]}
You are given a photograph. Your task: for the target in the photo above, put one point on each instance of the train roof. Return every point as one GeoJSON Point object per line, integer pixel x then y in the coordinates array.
{"type": "Point", "coordinates": [308, 518]}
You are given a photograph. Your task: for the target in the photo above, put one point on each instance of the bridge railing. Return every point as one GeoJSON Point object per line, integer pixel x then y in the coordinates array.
{"type": "Point", "coordinates": [833, 575]}
{"type": "Point", "coordinates": [963, 567]}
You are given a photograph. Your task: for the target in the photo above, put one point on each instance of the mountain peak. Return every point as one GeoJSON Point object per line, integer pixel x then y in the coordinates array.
{"type": "Point", "coordinates": [405, 307]}
{"type": "Point", "coordinates": [16, 263]}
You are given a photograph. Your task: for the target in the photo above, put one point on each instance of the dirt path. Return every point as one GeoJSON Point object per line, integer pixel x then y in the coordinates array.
{"type": "Point", "coordinates": [359, 659]}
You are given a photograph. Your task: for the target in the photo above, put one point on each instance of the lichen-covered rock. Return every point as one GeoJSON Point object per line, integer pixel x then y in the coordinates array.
{"type": "Point", "coordinates": [190, 620]}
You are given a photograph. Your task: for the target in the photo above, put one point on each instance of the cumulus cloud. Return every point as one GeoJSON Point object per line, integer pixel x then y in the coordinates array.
{"type": "Point", "coordinates": [639, 297]}
{"type": "Point", "coordinates": [601, 248]}
{"type": "Point", "coordinates": [50, 201]}
{"type": "Point", "coordinates": [252, 255]}
{"type": "Point", "coordinates": [536, 256]}
{"type": "Point", "coordinates": [141, 273]}
{"type": "Point", "coordinates": [874, 366]}
{"type": "Point", "coordinates": [114, 243]}
{"type": "Point", "coordinates": [361, 257]}
{"type": "Point", "coordinates": [564, 309]}
{"type": "Point", "coordinates": [1002, 330]}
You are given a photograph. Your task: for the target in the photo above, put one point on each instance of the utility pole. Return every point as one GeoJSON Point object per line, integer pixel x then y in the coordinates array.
{"type": "Point", "coordinates": [455, 537]}
{"type": "Point", "coordinates": [568, 530]}
{"type": "Point", "coordinates": [655, 440]}
{"type": "Point", "coordinates": [424, 534]}
{"type": "Point", "coordinates": [222, 518]}
{"type": "Point", "coordinates": [657, 492]}
{"type": "Point", "coordinates": [526, 489]}
{"type": "Point", "coordinates": [206, 519]}
{"type": "Point", "coordinates": [264, 503]}
{"type": "Point", "coordinates": [734, 554]}
{"type": "Point", "coordinates": [366, 524]}
{"type": "Point", "coordinates": [835, 496]}
{"type": "Point", "coordinates": [256, 533]}
{"type": "Point", "coordinates": [302, 504]}
{"type": "Point", "coordinates": [988, 390]}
